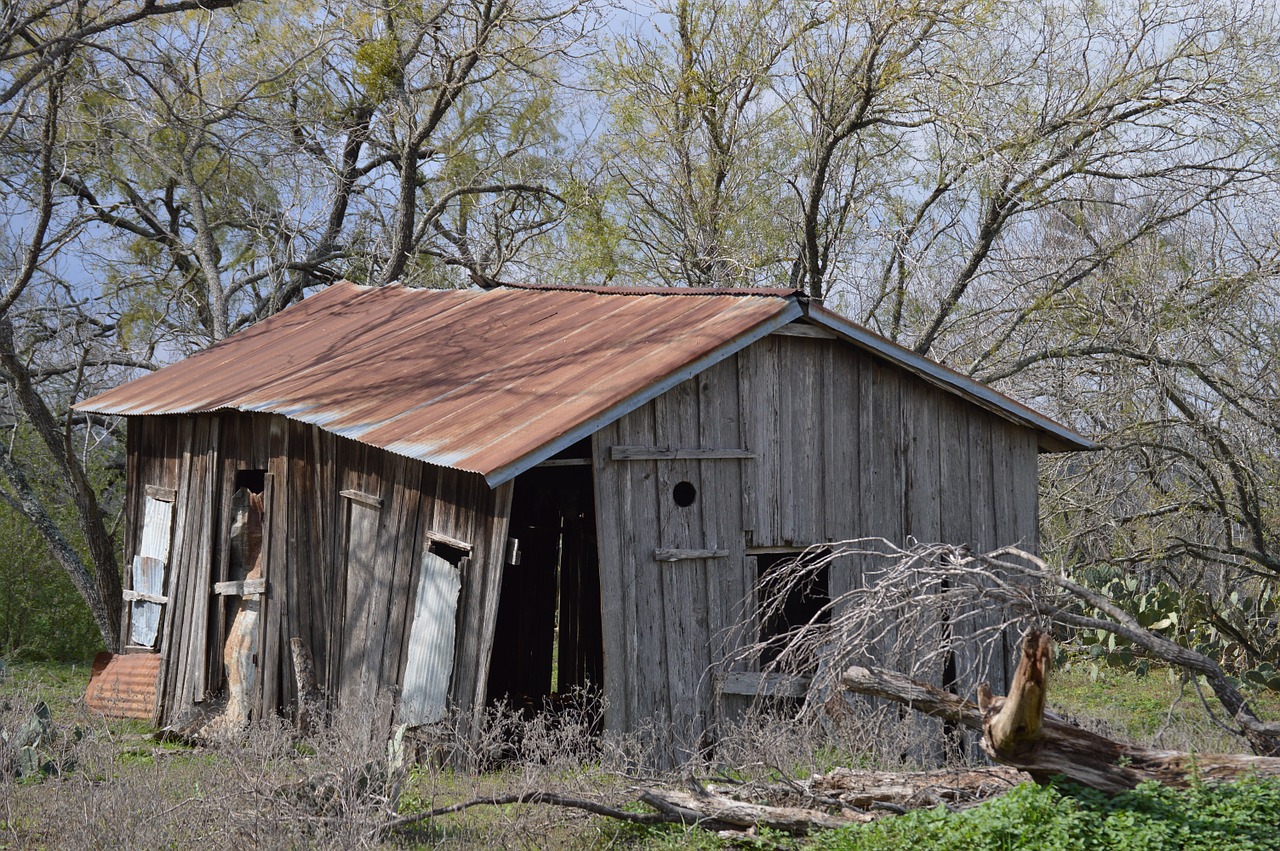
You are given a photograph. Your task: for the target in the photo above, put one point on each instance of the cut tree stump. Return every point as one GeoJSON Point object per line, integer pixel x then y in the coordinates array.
{"type": "Point", "coordinates": [1017, 731]}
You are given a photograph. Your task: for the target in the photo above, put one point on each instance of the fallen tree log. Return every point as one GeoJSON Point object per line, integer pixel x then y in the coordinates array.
{"type": "Point", "coordinates": [1017, 731]}
{"type": "Point", "coordinates": [720, 813]}
{"type": "Point", "coordinates": [902, 790]}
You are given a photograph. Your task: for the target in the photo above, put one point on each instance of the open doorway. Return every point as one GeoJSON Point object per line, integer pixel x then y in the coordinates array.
{"type": "Point", "coordinates": [548, 642]}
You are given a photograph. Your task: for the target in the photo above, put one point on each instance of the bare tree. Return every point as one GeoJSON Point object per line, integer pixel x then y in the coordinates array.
{"type": "Point", "coordinates": [924, 609]}
{"type": "Point", "coordinates": [174, 177]}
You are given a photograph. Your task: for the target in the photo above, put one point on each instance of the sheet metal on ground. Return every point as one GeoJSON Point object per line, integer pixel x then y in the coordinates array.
{"type": "Point", "coordinates": [124, 686]}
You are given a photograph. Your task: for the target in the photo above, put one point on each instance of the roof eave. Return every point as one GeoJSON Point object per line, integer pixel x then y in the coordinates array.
{"type": "Point", "coordinates": [1052, 436]}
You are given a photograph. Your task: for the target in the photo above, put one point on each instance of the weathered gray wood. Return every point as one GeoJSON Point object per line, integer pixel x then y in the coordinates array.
{"type": "Point", "coordinates": [494, 537]}
{"type": "Point", "coordinates": [720, 422]}
{"type": "Point", "coordinates": [269, 451]}
{"type": "Point", "coordinates": [407, 556]}
{"type": "Point", "coordinates": [145, 597]}
{"type": "Point", "coordinates": [565, 462]}
{"type": "Point", "coordinates": [796, 329]}
{"type": "Point", "coordinates": [662, 554]}
{"type": "Point", "coordinates": [655, 453]}
{"type": "Point", "coordinates": [204, 655]}
{"type": "Point", "coordinates": [441, 538]}
{"type": "Point", "coordinates": [612, 495]}
{"type": "Point", "coordinates": [366, 499]}
{"type": "Point", "coordinates": [761, 490]}
{"type": "Point", "coordinates": [768, 684]}
{"type": "Point", "coordinates": [649, 694]}
{"type": "Point", "coordinates": [240, 588]}
{"type": "Point", "coordinates": [1023, 478]}
{"type": "Point", "coordinates": [841, 495]}
{"type": "Point", "coordinates": [973, 663]}
{"type": "Point", "coordinates": [684, 591]}
{"type": "Point", "coordinates": [396, 516]}
{"type": "Point", "coordinates": [921, 461]}
{"type": "Point", "coordinates": [800, 402]}
{"type": "Point", "coordinates": [172, 622]}
{"type": "Point", "coordinates": [162, 494]}
{"type": "Point", "coordinates": [363, 522]}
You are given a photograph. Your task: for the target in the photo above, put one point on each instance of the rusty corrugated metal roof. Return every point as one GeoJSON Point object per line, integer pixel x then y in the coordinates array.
{"type": "Point", "coordinates": [124, 686]}
{"type": "Point", "coordinates": [494, 381]}
{"type": "Point", "coordinates": [486, 381]}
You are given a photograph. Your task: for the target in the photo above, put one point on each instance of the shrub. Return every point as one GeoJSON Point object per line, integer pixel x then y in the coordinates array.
{"type": "Point", "coordinates": [1061, 817]}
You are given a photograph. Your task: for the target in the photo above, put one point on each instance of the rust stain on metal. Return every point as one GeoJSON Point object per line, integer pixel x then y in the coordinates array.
{"type": "Point", "coordinates": [484, 381]}
{"type": "Point", "coordinates": [124, 686]}
{"type": "Point", "coordinates": [459, 378]}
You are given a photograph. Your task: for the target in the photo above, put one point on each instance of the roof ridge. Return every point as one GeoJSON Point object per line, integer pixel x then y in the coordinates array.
{"type": "Point", "coordinates": [776, 292]}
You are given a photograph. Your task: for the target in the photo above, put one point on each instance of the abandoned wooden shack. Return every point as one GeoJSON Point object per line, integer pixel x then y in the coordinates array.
{"type": "Point", "coordinates": [464, 496]}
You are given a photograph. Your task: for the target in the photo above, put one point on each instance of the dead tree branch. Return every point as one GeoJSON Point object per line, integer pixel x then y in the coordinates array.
{"type": "Point", "coordinates": [1018, 732]}
{"type": "Point", "coordinates": [945, 617]}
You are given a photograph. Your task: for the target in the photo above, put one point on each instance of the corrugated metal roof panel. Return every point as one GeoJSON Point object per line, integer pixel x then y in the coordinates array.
{"type": "Point", "coordinates": [124, 686]}
{"type": "Point", "coordinates": [468, 379]}
{"type": "Point", "coordinates": [494, 381]}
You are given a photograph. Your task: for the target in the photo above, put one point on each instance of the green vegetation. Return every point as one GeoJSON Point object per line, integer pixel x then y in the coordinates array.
{"type": "Point", "coordinates": [274, 786]}
{"type": "Point", "coordinates": [42, 616]}
{"type": "Point", "coordinates": [1060, 817]}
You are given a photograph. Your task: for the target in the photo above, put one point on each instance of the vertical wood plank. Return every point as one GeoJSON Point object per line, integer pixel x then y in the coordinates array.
{"type": "Point", "coordinates": [491, 538]}
{"type": "Point", "coordinates": [647, 680]}
{"type": "Point", "coordinates": [841, 429]}
{"type": "Point", "coordinates": [762, 396]}
{"type": "Point", "coordinates": [684, 584]}
{"type": "Point", "coordinates": [922, 461]}
{"type": "Point", "coordinates": [617, 579]}
{"type": "Point", "coordinates": [173, 620]}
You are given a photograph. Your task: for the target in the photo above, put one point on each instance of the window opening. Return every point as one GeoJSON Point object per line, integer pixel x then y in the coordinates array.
{"type": "Point", "coordinates": [684, 494]}
{"type": "Point", "coordinates": [794, 590]}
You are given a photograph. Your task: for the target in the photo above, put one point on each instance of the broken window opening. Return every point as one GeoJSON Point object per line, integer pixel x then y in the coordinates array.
{"type": "Point", "coordinates": [794, 590]}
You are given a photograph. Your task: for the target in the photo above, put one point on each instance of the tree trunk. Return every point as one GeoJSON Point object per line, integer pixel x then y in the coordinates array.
{"type": "Point", "coordinates": [1017, 731]}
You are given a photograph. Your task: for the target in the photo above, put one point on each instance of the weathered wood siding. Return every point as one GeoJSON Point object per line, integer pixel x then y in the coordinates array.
{"type": "Point", "coordinates": [845, 446]}
{"type": "Point", "coordinates": [341, 570]}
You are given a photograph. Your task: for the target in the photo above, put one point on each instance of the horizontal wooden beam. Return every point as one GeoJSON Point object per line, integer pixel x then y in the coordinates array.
{"type": "Point", "coordinates": [139, 596]}
{"type": "Point", "coordinates": [797, 330]}
{"type": "Point", "coordinates": [441, 538]}
{"type": "Point", "coordinates": [685, 555]}
{"type": "Point", "coordinates": [363, 498]}
{"type": "Point", "coordinates": [766, 551]}
{"type": "Point", "coordinates": [162, 494]}
{"type": "Point", "coordinates": [757, 684]}
{"type": "Point", "coordinates": [657, 453]}
{"type": "Point", "coordinates": [242, 588]}
{"type": "Point", "coordinates": [564, 462]}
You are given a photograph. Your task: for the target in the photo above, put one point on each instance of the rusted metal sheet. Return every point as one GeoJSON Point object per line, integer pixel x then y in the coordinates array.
{"type": "Point", "coordinates": [492, 381]}
{"type": "Point", "coordinates": [474, 380]}
{"type": "Point", "coordinates": [124, 686]}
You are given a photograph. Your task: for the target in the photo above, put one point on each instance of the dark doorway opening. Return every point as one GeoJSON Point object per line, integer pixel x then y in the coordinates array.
{"type": "Point", "coordinates": [795, 591]}
{"type": "Point", "coordinates": [548, 643]}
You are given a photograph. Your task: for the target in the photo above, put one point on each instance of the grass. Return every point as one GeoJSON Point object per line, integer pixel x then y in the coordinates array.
{"type": "Point", "coordinates": [1154, 709]}
{"type": "Point", "coordinates": [122, 788]}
